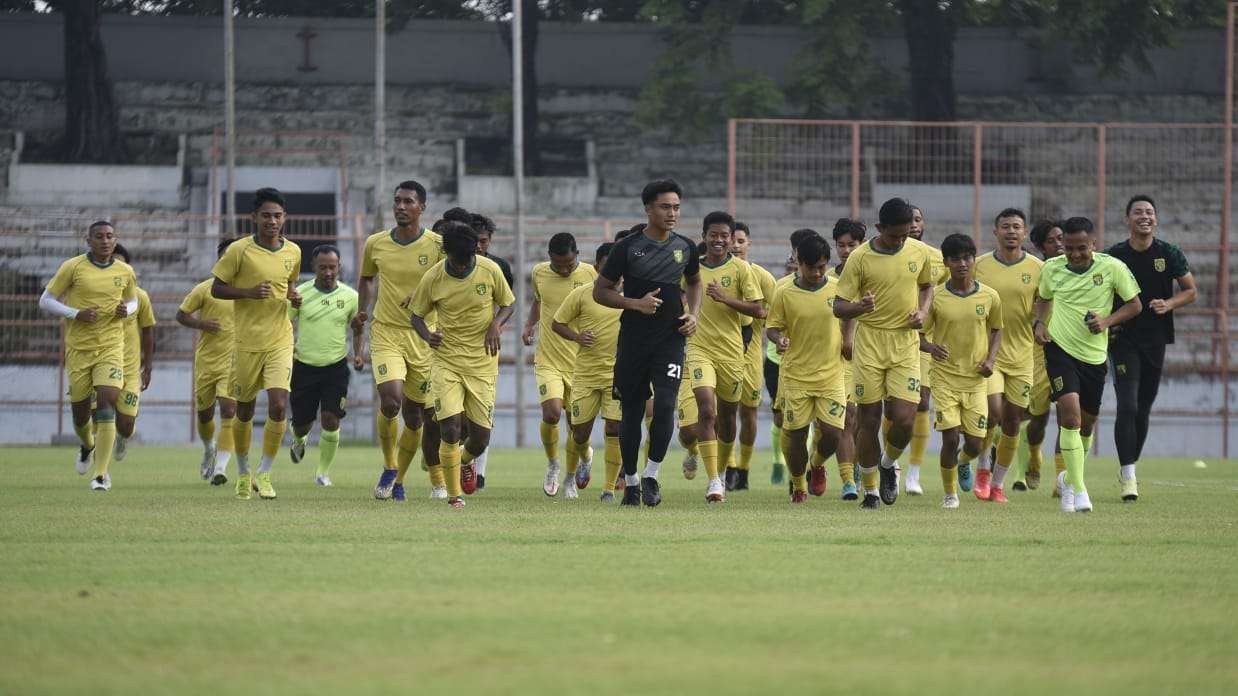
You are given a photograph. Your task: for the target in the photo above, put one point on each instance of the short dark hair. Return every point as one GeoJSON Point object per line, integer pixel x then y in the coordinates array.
{"type": "Point", "coordinates": [1137, 198]}
{"type": "Point", "coordinates": [741, 226]}
{"type": "Point", "coordinates": [798, 236]}
{"type": "Point", "coordinates": [223, 246]}
{"type": "Point", "coordinates": [99, 223]}
{"type": "Point", "coordinates": [1010, 212]}
{"type": "Point", "coordinates": [562, 243]}
{"type": "Point", "coordinates": [896, 211]}
{"type": "Point", "coordinates": [440, 225]}
{"type": "Point", "coordinates": [121, 251]}
{"type": "Point", "coordinates": [325, 249]}
{"type": "Point", "coordinates": [483, 225]}
{"type": "Point", "coordinates": [957, 246]}
{"type": "Point", "coordinates": [654, 189]}
{"type": "Point", "coordinates": [1040, 232]}
{"type": "Point", "coordinates": [603, 250]}
{"type": "Point", "coordinates": [415, 187]}
{"type": "Point", "coordinates": [458, 214]}
{"type": "Point", "coordinates": [459, 239]}
{"type": "Point", "coordinates": [269, 195]}
{"type": "Point", "coordinates": [1077, 224]}
{"type": "Point", "coordinates": [812, 250]}
{"type": "Point", "coordinates": [855, 229]}
{"type": "Point", "coordinates": [718, 218]}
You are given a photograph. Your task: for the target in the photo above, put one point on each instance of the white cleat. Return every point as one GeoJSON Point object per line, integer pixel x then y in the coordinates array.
{"type": "Point", "coordinates": [297, 451]}
{"type": "Point", "coordinates": [98, 483]}
{"type": "Point", "coordinates": [690, 464]}
{"type": "Point", "coordinates": [83, 460]}
{"type": "Point", "coordinates": [913, 482]}
{"type": "Point", "coordinates": [1083, 503]}
{"type": "Point", "coordinates": [551, 486]}
{"type": "Point", "coordinates": [1068, 493]}
{"type": "Point", "coordinates": [716, 492]}
{"type": "Point", "coordinates": [569, 488]}
{"type": "Point", "coordinates": [950, 502]}
{"type": "Point", "coordinates": [323, 480]}
{"type": "Point", "coordinates": [220, 476]}
{"type": "Point", "coordinates": [208, 462]}
{"type": "Point", "coordinates": [438, 493]}
{"type": "Point", "coordinates": [120, 449]}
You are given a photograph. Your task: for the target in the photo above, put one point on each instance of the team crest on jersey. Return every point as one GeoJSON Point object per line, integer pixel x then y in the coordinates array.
{"type": "Point", "coordinates": [576, 284]}
{"type": "Point", "coordinates": [287, 264]}
{"type": "Point", "coordinates": [1098, 279]}
{"type": "Point", "coordinates": [911, 266]}
{"type": "Point", "coordinates": [339, 304]}
{"type": "Point", "coordinates": [423, 259]}
{"type": "Point", "coordinates": [118, 281]}
{"type": "Point", "coordinates": [1159, 265]}
{"type": "Point", "coordinates": [980, 310]}
{"type": "Point", "coordinates": [726, 281]}
{"type": "Point", "coordinates": [1027, 278]}
{"type": "Point", "coordinates": [480, 288]}
{"type": "Point", "coordinates": [678, 255]}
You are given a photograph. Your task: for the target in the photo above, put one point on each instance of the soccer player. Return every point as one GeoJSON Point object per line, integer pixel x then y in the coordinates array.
{"type": "Point", "coordinates": [93, 293]}
{"type": "Point", "coordinates": [920, 427]}
{"type": "Point", "coordinates": [485, 229]}
{"type": "Point", "coordinates": [890, 278]}
{"type": "Point", "coordinates": [715, 352]}
{"type": "Point", "coordinates": [1137, 347]}
{"type": "Point", "coordinates": [595, 329]}
{"type": "Point", "coordinates": [139, 363]}
{"type": "Point", "coordinates": [811, 384]}
{"type": "Point", "coordinates": [259, 274]}
{"type": "Point", "coordinates": [1046, 236]}
{"type": "Point", "coordinates": [463, 291]}
{"type": "Point", "coordinates": [1013, 273]}
{"type": "Point", "coordinates": [1078, 288]}
{"type": "Point", "coordinates": [400, 258]}
{"type": "Point", "coordinates": [848, 234]}
{"type": "Point", "coordinates": [320, 358]}
{"type": "Point", "coordinates": [754, 355]}
{"type": "Point", "coordinates": [965, 326]}
{"type": "Point", "coordinates": [555, 358]}
{"type": "Point", "coordinates": [657, 318]}
{"type": "Point", "coordinates": [212, 372]}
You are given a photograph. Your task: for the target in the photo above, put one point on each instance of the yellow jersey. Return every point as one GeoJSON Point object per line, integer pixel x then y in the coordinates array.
{"type": "Point", "coordinates": [84, 284]}
{"type": "Point", "coordinates": [893, 277]}
{"type": "Point", "coordinates": [814, 359]}
{"type": "Point", "coordinates": [765, 281]}
{"type": "Point", "coordinates": [263, 324]}
{"type": "Point", "coordinates": [144, 318]}
{"type": "Point", "coordinates": [938, 263]}
{"type": "Point", "coordinates": [1016, 284]}
{"type": "Point", "coordinates": [718, 334]}
{"type": "Point", "coordinates": [213, 348]}
{"type": "Point", "coordinates": [549, 291]}
{"type": "Point", "coordinates": [465, 308]}
{"type": "Point", "coordinates": [401, 266]}
{"type": "Point", "coordinates": [595, 365]}
{"type": "Point", "coordinates": [962, 324]}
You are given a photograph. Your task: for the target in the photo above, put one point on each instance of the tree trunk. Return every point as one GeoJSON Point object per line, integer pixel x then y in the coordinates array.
{"type": "Point", "coordinates": [528, 55]}
{"type": "Point", "coordinates": [930, 32]}
{"type": "Point", "coordinates": [92, 126]}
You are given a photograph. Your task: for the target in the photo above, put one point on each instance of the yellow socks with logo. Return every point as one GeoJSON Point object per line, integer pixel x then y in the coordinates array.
{"type": "Point", "coordinates": [410, 442]}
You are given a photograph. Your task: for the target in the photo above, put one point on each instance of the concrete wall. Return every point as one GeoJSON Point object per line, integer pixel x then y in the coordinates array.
{"type": "Point", "coordinates": [592, 55]}
{"type": "Point", "coordinates": [68, 185]}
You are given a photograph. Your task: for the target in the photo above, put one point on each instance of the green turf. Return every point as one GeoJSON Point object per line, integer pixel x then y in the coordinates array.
{"type": "Point", "coordinates": [168, 585]}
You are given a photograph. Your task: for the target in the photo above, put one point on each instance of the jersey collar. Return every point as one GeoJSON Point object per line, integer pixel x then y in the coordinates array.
{"type": "Point", "coordinates": [100, 265]}
{"type": "Point", "coordinates": [722, 263]}
{"type": "Point", "coordinates": [951, 290]}
{"type": "Point", "coordinates": [420, 233]}
{"type": "Point", "coordinates": [258, 243]}
{"type": "Point", "coordinates": [1012, 263]}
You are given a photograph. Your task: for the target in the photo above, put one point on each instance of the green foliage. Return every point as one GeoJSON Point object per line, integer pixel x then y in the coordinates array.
{"type": "Point", "coordinates": [1112, 34]}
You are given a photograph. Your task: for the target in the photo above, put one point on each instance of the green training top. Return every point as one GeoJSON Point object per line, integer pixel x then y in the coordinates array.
{"type": "Point", "coordinates": [322, 323]}
{"type": "Point", "coordinates": [1075, 293]}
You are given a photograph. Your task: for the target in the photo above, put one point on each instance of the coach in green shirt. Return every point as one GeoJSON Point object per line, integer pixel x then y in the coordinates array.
{"type": "Point", "coordinates": [1079, 289]}
{"type": "Point", "coordinates": [320, 358]}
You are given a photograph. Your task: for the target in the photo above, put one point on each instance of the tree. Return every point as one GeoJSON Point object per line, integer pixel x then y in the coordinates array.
{"type": "Point", "coordinates": [92, 124]}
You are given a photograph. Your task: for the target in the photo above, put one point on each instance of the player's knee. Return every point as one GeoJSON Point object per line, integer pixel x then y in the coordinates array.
{"type": "Point", "coordinates": [390, 408]}
{"type": "Point", "coordinates": [329, 421]}
{"type": "Point", "coordinates": [949, 441]}
{"type": "Point", "coordinates": [125, 425]}
{"type": "Point", "coordinates": [449, 430]}
{"type": "Point", "coordinates": [552, 411]}
{"type": "Point", "coordinates": [610, 429]}
{"type": "Point", "coordinates": [479, 440]}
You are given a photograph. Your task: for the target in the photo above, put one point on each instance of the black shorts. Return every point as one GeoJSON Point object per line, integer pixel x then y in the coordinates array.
{"type": "Point", "coordinates": [317, 389]}
{"type": "Point", "coordinates": [642, 363]}
{"type": "Point", "coordinates": [771, 370]}
{"type": "Point", "coordinates": [1137, 361]}
{"type": "Point", "coordinates": [1069, 375]}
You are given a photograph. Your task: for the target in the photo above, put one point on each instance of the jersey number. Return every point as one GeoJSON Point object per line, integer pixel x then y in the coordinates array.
{"type": "Point", "coordinates": [674, 370]}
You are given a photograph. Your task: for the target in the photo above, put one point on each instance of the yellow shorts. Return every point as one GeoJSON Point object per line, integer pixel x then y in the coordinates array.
{"type": "Point", "coordinates": [255, 372]}
{"type": "Point", "coordinates": [849, 381]}
{"type": "Point", "coordinates": [966, 409]}
{"type": "Point", "coordinates": [552, 383]}
{"type": "Point", "coordinates": [754, 375]}
{"type": "Point", "coordinates": [886, 364]}
{"type": "Point", "coordinates": [130, 394]}
{"type": "Point", "coordinates": [689, 414]}
{"type": "Point", "coordinates": [926, 369]}
{"type": "Point", "coordinates": [397, 353]}
{"type": "Point", "coordinates": [471, 394]}
{"type": "Point", "coordinates": [801, 407]}
{"type": "Point", "coordinates": [1017, 388]}
{"type": "Point", "coordinates": [587, 402]}
{"type": "Point", "coordinates": [211, 382]}
{"type": "Point", "coordinates": [727, 380]}
{"type": "Point", "coordinates": [1038, 403]}
{"type": "Point", "coordinates": [88, 369]}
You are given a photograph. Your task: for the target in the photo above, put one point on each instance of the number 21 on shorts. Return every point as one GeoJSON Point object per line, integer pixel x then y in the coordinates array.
{"type": "Point", "coordinates": [674, 370]}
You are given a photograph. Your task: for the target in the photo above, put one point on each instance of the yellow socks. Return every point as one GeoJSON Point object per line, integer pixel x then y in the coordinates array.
{"type": "Point", "coordinates": [242, 436]}
{"type": "Point", "coordinates": [272, 435]}
{"type": "Point", "coordinates": [800, 482]}
{"type": "Point", "coordinates": [745, 456]}
{"type": "Point", "coordinates": [206, 430]}
{"type": "Point", "coordinates": [449, 465]}
{"type": "Point", "coordinates": [437, 478]}
{"type": "Point", "coordinates": [950, 480]}
{"type": "Point", "coordinates": [709, 455]}
{"type": "Point", "coordinates": [572, 454]}
{"type": "Point", "coordinates": [410, 442]}
{"type": "Point", "coordinates": [86, 433]}
{"type": "Point", "coordinates": [726, 455]}
{"type": "Point", "coordinates": [388, 429]}
{"type": "Point", "coordinates": [105, 440]}
{"type": "Point", "coordinates": [919, 438]}
{"type": "Point", "coordinates": [614, 460]}
{"type": "Point", "coordinates": [870, 478]}
{"type": "Point", "coordinates": [891, 451]}
{"type": "Point", "coordinates": [1007, 445]}
{"type": "Point", "coordinates": [846, 471]}
{"type": "Point", "coordinates": [225, 442]}
{"type": "Point", "coordinates": [550, 439]}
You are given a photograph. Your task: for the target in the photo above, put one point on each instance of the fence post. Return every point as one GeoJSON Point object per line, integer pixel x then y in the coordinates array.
{"type": "Point", "coordinates": [1101, 166]}
{"type": "Point", "coordinates": [1227, 201]}
{"type": "Point", "coordinates": [730, 166]}
{"type": "Point", "coordinates": [855, 170]}
{"type": "Point", "coordinates": [977, 162]}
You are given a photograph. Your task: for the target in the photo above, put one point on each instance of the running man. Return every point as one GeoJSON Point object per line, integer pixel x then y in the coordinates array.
{"type": "Point", "coordinates": [259, 274]}
{"type": "Point", "coordinates": [139, 363]}
{"type": "Point", "coordinates": [890, 278]}
{"type": "Point", "coordinates": [963, 334]}
{"type": "Point", "coordinates": [555, 358]}
{"type": "Point", "coordinates": [657, 319]}
{"type": "Point", "coordinates": [920, 428]}
{"type": "Point", "coordinates": [1046, 236]}
{"type": "Point", "coordinates": [463, 291]}
{"type": "Point", "coordinates": [754, 356]}
{"type": "Point", "coordinates": [320, 358]}
{"type": "Point", "coordinates": [1137, 347]}
{"type": "Point", "coordinates": [1076, 294]}
{"type": "Point", "coordinates": [595, 329]}
{"type": "Point", "coordinates": [212, 372]}
{"type": "Point", "coordinates": [94, 293]}
{"type": "Point", "coordinates": [848, 235]}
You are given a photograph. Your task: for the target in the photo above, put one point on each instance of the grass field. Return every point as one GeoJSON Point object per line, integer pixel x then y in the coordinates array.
{"type": "Point", "coordinates": [167, 585]}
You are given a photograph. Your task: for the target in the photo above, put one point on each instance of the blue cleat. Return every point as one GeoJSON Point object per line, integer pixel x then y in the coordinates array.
{"type": "Point", "coordinates": [397, 493]}
{"type": "Point", "coordinates": [386, 482]}
{"type": "Point", "coordinates": [850, 492]}
{"type": "Point", "coordinates": [965, 477]}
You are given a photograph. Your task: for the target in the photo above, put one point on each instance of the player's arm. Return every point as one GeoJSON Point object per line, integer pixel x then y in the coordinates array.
{"type": "Point", "coordinates": [1185, 295]}
{"type": "Point", "coordinates": [846, 309]}
{"type": "Point", "coordinates": [848, 331]}
{"type": "Point", "coordinates": [985, 368]}
{"type": "Point", "coordinates": [530, 324]}
{"type": "Point", "coordinates": [1127, 311]}
{"type": "Point", "coordinates": [358, 342]}
{"type": "Point", "coordinates": [749, 308]}
{"type": "Point", "coordinates": [148, 354]}
{"type": "Point", "coordinates": [606, 293]}
{"type": "Point", "coordinates": [778, 338]}
{"type": "Point", "coordinates": [189, 321]}
{"type": "Point", "coordinates": [916, 320]}
{"type": "Point", "coordinates": [434, 338]}
{"type": "Point", "coordinates": [225, 291]}
{"type": "Point", "coordinates": [1041, 310]}
{"type": "Point", "coordinates": [52, 305]}
{"type": "Point", "coordinates": [495, 330]}
{"type": "Point", "coordinates": [365, 287]}
{"type": "Point", "coordinates": [692, 307]}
